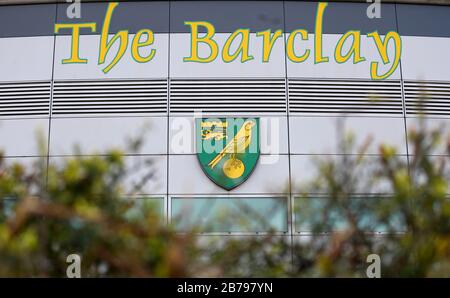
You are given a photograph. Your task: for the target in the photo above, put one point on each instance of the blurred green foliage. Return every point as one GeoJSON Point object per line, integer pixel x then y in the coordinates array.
{"type": "Point", "coordinates": [51, 210]}
{"type": "Point", "coordinates": [80, 208]}
{"type": "Point", "coordinates": [405, 219]}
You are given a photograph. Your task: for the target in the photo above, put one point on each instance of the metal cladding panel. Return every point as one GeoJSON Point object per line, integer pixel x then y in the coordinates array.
{"type": "Point", "coordinates": [130, 16]}
{"type": "Point", "coordinates": [426, 58]}
{"type": "Point", "coordinates": [273, 136]}
{"type": "Point", "coordinates": [126, 68]}
{"type": "Point", "coordinates": [24, 99]}
{"type": "Point", "coordinates": [227, 16]}
{"type": "Point", "coordinates": [27, 161]}
{"type": "Point", "coordinates": [333, 69]}
{"type": "Point", "coordinates": [26, 58]}
{"type": "Point", "coordinates": [36, 164]}
{"type": "Point", "coordinates": [270, 176]}
{"type": "Point", "coordinates": [260, 96]}
{"type": "Point", "coordinates": [180, 48]}
{"type": "Point", "coordinates": [423, 20]}
{"type": "Point", "coordinates": [147, 173]}
{"type": "Point", "coordinates": [304, 169]}
{"type": "Point", "coordinates": [431, 123]}
{"type": "Point", "coordinates": [439, 163]}
{"type": "Point", "coordinates": [431, 99]}
{"type": "Point", "coordinates": [321, 135]}
{"type": "Point", "coordinates": [27, 20]}
{"type": "Point", "coordinates": [339, 17]}
{"type": "Point", "coordinates": [345, 97]}
{"type": "Point", "coordinates": [19, 137]}
{"type": "Point", "coordinates": [110, 97]}
{"type": "Point", "coordinates": [443, 160]}
{"type": "Point", "coordinates": [98, 135]}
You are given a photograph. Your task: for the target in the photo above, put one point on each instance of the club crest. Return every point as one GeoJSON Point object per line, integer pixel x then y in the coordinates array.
{"type": "Point", "coordinates": [227, 149]}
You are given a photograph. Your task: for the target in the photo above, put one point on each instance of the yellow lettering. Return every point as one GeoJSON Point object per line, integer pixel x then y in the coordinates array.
{"type": "Point", "coordinates": [195, 40]}
{"type": "Point", "coordinates": [138, 44]}
{"type": "Point", "coordinates": [290, 46]}
{"type": "Point", "coordinates": [268, 42]}
{"type": "Point", "coordinates": [318, 34]}
{"type": "Point", "coordinates": [105, 45]}
{"type": "Point", "coordinates": [242, 49]}
{"type": "Point", "coordinates": [75, 54]}
{"type": "Point", "coordinates": [382, 47]}
{"type": "Point", "coordinates": [354, 50]}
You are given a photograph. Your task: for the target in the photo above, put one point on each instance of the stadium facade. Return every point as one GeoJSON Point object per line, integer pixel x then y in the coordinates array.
{"type": "Point", "coordinates": [79, 99]}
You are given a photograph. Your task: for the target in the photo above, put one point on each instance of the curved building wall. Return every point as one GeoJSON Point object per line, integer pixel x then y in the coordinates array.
{"type": "Point", "coordinates": [300, 105]}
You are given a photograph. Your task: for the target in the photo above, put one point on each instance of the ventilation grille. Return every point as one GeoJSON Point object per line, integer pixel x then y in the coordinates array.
{"type": "Point", "coordinates": [345, 97]}
{"type": "Point", "coordinates": [24, 99]}
{"type": "Point", "coordinates": [228, 96]}
{"type": "Point", "coordinates": [109, 97]}
{"type": "Point", "coordinates": [428, 98]}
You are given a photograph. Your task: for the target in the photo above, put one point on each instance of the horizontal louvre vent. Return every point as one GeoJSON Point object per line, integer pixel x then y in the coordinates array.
{"type": "Point", "coordinates": [345, 97]}
{"type": "Point", "coordinates": [228, 96]}
{"type": "Point", "coordinates": [428, 98]}
{"type": "Point", "coordinates": [109, 97]}
{"type": "Point", "coordinates": [24, 99]}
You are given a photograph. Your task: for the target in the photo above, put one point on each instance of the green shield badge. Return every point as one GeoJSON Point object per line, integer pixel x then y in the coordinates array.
{"type": "Point", "coordinates": [227, 149]}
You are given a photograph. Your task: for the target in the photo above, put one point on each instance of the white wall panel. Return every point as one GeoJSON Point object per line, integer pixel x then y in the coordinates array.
{"type": "Point", "coordinates": [426, 58]}
{"type": "Point", "coordinates": [37, 165]}
{"type": "Point", "coordinates": [273, 135]}
{"type": "Point", "coordinates": [440, 163]}
{"type": "Point", "coordinates": [443, 160]}
{"type": "Point", "coordinates": [127, 67]}
{"type": "Point", "coordinates": [180, 48]}
{"type": "Point", "coordinates": [304, 169]}
{"type": "Point", "coordinates": [270, 175]}
{"type": "Point", "coordinates": [431, 124]}
{"type": "Point", "coordinates": [332, 69]}
{"type": "Point", "coordinates": [97, 135]}
{"type": "Point", "coordinates": [26, 58]}
{"type": "Point", "coordinates": [146, 174]}
{"type": "Point", "coordinates": [27, 162]}
{"type": "Point", "coordinates": [320, 135]}
{"type": "Point", "coordinates": [151, 169]}
{"type": "Point", "coordinates": [19, 137]}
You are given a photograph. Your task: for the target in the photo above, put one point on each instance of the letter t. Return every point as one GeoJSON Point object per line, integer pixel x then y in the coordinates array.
{"type": "Point", "coordinates": [75, 53]}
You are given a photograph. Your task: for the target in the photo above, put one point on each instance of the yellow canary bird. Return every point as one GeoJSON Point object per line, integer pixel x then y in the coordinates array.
{"type": "Point", "coordinates": [237, 145]}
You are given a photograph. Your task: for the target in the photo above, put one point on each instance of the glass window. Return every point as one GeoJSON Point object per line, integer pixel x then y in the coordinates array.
{"type": "Point", "coordinates": [219, 214]}
{"type": "Point", "coordinates": [143, 207]}
{"type": "Point", "coordinates": [7, 207]}
{"type": "Point", "coordinates": [321, 214]}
